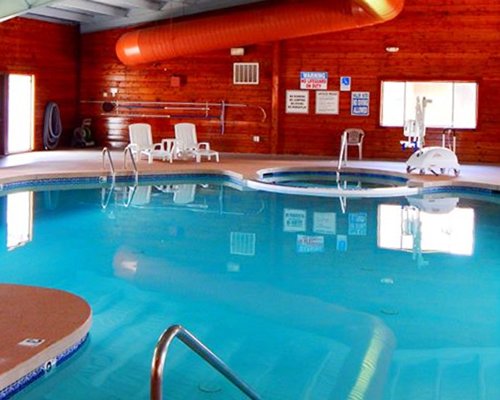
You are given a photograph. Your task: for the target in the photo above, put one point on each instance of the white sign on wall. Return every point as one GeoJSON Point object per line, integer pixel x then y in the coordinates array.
{"type": "Point", "coordinates": [297, 102]}
{"type": "Point", "coordinates": [360, 103]}
{"type": "Point", "coordinates": [314, 80]}
{"type": "Point", "coordinates": [327, 102]}
{"type": "Point", "coordinates": [345, 83]}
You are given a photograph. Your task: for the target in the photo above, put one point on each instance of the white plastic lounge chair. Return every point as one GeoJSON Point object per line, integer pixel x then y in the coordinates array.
{"type": "Point", "coordinates": [187, 143]}
{"type": "Point", "coordinates": [141, 143]}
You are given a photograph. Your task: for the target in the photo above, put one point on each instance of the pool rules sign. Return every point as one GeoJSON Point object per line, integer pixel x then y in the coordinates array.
{"type": "Point", "coordinates": [360, 103]}
{"type": "Point", "coordinates": [297, 102]}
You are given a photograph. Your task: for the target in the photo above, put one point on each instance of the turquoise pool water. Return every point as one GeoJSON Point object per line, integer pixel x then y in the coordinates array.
{"type": "Point", "coordinates": [304, 297]}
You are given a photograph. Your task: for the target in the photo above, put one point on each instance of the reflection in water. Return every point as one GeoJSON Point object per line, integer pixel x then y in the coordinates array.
{"type": "Point", "coordinates": [370, 342]}
{"type": "Point", "coordinates": [299, 295]}
{"type": "Point", "coordinates": [19, 219]}
{"type": "Point", "coordinates": [428, 224]}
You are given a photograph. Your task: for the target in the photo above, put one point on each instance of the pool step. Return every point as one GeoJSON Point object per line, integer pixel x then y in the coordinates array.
{"type": "Point", "coordinates": [445, 375]}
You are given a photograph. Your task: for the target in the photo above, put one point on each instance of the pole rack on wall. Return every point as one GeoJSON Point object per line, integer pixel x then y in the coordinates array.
{"type": "Point", "coordinates": [182, 110]}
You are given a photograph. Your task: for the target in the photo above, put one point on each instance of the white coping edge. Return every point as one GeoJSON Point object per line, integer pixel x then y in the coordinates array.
{"type": "Point", "coordinates": [335, 192]}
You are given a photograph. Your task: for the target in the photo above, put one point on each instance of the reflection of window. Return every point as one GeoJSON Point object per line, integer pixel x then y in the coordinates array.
{"type": "Point", "coordinates": [405, 228]}
{"type": "Point", "coordinates": [19, 219]}
{"type": "Point", "coordinates": [242, 243]}
{"type": "Point", "coordinates": [454, 104]}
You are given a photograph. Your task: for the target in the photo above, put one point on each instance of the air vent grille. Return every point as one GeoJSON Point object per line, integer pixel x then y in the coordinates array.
{"type": "Point", "coordinates": [246, 73]}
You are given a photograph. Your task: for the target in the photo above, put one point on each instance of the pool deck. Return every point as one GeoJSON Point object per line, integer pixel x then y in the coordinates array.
{"type": "Point", "coordinates": [39, 327]}
{"type": "Point", "coordinates": [71, 163]}
{"type": "Point", "coordinates": [14, 363]}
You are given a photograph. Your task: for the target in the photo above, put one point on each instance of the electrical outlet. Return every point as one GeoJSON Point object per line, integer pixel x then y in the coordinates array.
{"type": "Point", "coordinates": [256, 139]}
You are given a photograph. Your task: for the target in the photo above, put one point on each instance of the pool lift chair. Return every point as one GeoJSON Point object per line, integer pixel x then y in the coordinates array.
{"type": "Point", "coordinates": [141, 144]}
{"type": "Point", "coordinates": [437, 160]}
{"type": "Point", "coordinates": [187, 144]}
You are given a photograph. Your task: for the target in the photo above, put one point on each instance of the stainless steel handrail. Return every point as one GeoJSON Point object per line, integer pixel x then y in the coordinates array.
{"type": "Point", "coordinates": [105, 152]}
{"type": "Point", "coordinates": [128, 150]}
{"type": "Point", "coordinates": [160, 355]}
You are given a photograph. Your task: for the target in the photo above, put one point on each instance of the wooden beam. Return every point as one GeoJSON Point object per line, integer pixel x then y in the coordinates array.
{"type": "Point", "coordinates": [92, 7]}
{"type": "Point", "coordinates": [13, 8]}
{"type": "Point", "coordinates": [275, 98]}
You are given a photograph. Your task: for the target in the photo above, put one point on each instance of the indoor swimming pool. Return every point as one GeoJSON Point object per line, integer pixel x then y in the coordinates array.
{"type": "Point", "coordinates": [303, 297]}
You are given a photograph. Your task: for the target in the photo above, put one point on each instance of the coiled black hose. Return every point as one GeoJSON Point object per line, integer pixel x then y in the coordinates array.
{"type": "Point", "coordinates": [52, 127]}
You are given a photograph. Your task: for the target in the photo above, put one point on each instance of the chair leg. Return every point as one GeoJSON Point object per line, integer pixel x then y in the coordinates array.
{"type": "Point", "coordinates": [360, 151]}
{"type": "Point", "coordinates": [217, 157]}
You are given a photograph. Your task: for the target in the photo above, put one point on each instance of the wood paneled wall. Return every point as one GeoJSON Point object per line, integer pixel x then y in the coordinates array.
{"type": "Point", "coordinates": [452, 40]}
{"type": "Point", "coordinates": [49, 52]}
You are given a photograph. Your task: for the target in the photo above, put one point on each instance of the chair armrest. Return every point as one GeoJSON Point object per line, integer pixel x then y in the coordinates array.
{"type": "Point", "coordinates": [203, 146]}
{"type": "Point", "coordinates": [133, 147]}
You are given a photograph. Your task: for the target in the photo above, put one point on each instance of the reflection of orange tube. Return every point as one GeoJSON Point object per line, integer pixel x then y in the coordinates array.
{"type": "Point", "coordinates": [240, 26]}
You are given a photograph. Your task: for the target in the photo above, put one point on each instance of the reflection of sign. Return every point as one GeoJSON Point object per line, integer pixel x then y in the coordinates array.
{"type": "Point", "coordinates": [327, 102]}
{"type": "Point", "coordinates": [360, 103]}
{"type": "Point", "coordinates": [341, 242]}
{"type": "Point", "coordinates": [294, 220]}
{"type": "Point", "coordinates": [297, 101]}
{"type": "Point", "coordinates": [357, 224]}
{"type": "Point", "coordinates": [345, 83]}
{"type": "Point", "coordinates": [310, 244]}
{"type": "Point", "coordinates": [314, 80]}
{"type": "Point", "coordinates": [324, 223]}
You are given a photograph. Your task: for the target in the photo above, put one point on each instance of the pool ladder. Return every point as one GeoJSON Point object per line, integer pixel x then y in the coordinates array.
{"type": "Point", "coordinates": [128, 151]}
{"type": "Point", "coordinates": [160, 355]}
{"type": "Point", "coordinates": [107, 154]}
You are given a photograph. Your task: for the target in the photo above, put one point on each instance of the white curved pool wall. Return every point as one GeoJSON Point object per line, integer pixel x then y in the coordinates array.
{"type": "Point", "coordinates": [335, 192]}
{"type": "Point", "coordinates": [329, 191]}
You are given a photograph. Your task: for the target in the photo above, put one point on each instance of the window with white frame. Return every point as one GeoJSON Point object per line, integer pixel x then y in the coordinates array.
{"type": "Point", "coordinates": [454, 104]}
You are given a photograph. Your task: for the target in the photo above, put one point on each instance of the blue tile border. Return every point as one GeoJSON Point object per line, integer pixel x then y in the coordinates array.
{"type": "Point", "coordinates": [20, 384]}
{"type": "Point", "coordinates": [98, 181]}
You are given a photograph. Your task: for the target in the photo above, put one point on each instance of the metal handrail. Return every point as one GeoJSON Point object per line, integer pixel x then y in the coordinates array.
{"type": "Point", "coordinates": [105, 152]}
{"type": "Point", "coordinates": [160, 355]}
{"type": "Point", "coordinates": [128, 150]}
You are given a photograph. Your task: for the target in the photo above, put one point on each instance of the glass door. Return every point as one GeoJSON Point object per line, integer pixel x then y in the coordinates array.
{"type": "Point", "coordinates": [20, 110]}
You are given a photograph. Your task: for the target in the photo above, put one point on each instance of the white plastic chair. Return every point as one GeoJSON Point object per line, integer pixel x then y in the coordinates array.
{"type": "Point", "coordinates": [141, 143]}
{"type": "Point", "coordinates": [355, 138]}
{"type": "Point", "coordinates": [188, 145]}
{"type": "Point", "coordinates": [350, 137]}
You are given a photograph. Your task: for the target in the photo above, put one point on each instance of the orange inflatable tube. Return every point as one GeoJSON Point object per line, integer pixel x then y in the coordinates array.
{"type": "Point", "coordinates": [255, 23]}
